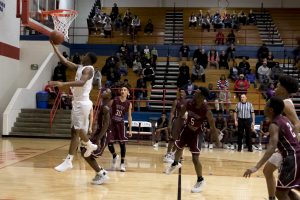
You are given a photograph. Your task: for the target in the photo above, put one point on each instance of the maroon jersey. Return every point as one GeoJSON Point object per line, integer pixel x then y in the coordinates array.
{"type": "Point", "coordinates": [119, 109]}
{"type": "Point", "coordinates": [100, 118]}
{"type": "Point", "coordinates": [287, 140]}
{"type": "Point", "coordinates": [220, 123]}
{"type": "Point", "coordinates": [265, 126]}
{"type": "Point", "coordinates": [180, 103]}
{"type": "Point", "coordinates": [230, 123]}
{"type": "Point", "coordinates": [196, 116]}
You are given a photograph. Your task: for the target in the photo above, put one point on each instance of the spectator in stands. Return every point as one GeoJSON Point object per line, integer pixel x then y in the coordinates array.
{"type": "Point", "coordinates": [59, 73]}
{"type": "Point", "coordinates": [227, 21]}
{"type": "Point", "coordinates": [221, 124]}
{"type": "Point", "coordinates": [184, 69]}
{"type": "Point", "coordinates": [241, 85]}
{"type": "Point", "coordinates": [264, 131]}
{"type": "Point", "coordinates": [205, 23]}
{"type": "Point", "coordinates": [217, 21]}
{"type": "Point", "coordinates": [223, 60]}
{"type": "Point", "coordinates": [154, 55]}
{"type": "Point", "coordinates": [233, 72]}
{"type": "Point", "coordinates": [197, 72]}
{"type": "Point", "coordinates": [118, 23]}
{"type": "Point", "coordinates": [222, 83]}
{"type": "Point", "coordinates": [242, 18]}
{"type": "Point", "coordinates": [189, 88]}
{"type": "Point", "coordinates": [212, 98]}
{"type": "Point", "coordinates": [76, 58]}
{"type": "Point", "coordinates": [251, 18]}
{"type": "Point", "coordinates": [296, 52]}
{"type": "Point", "coordinates": [135, 25]}
{"type": "Point", "coordinates": [276, 72]}
{"type": "Point", "coordinates": [141, 91]}
{"type": "Point", "coordinates": [149, 27]}
{"type": "Point", "coordinates": [184, 51]}
{"type": "Point", "coordinates": [258, 64]}
{"type": "Point", "coordinates": [270, 60]}
{"type": "Point", "coordinates": [148, 73]}
{"type": "Point", "coordinates": [135, 49]}
{"type": "Point", "coordinates": [162, 128]}
{"type": "Point", "coordinates": [146, 55]}
{"type": "Point", "coordinates": [97, 22]}
{"type": "Point", "coordinates": [235, 21]}
{"type": "Point", "coordinates": [124, 50]}
{"type": "Point", "coordinates": [126, 83]}
{"type": "Point", "coordinates": [220, 38]}
{"type": "Point", "coordinates": [270, 91]}
{"type": "Point", "coordinates": [230, 37]}
{"type": "Point", "coordinates": [224, 100]}
{"type": "Point", "coordinates": [201, 56]}
{"type": "Point", "coordinates": [107, 29]}
{"type": "Point", "coordinates": [193, 21]}
{"type": "Point", "coordinates": [230, 131]}
{"type": "Point", "coordinates": [114, 12]}
{"type": "Point", "coordinates": [97, 78]}
{"type": "Point", "coordinates": [127, 18]}
{"type": "Point", "coordinates": [112, 77]}
{"type": "Point", "coordinates": [244, 66]}
{"type": "Point", "coordinates": [263, 72]}
{"type": "Point", "coordinates": [137, 65]}
{"type": "Point", "coordinates": [251, 77]}
{"type": "Point", "coordinates": [123, 69]}
{"type": "Point", "coordinates": [111, 62]}
{"type": "Point", "coordinates": [213, 58]}
{"type": "Point", "coordinates": [262, 52]}
{"type": "Point", "coordinates": [184, 75]}
{"type": "Point", "coordinates": [231, 52]}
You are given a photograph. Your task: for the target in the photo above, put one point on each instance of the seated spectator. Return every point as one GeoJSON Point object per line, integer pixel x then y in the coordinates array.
{"type": "Point", "coordinates": [222, 83]}
{"type": "Point", "coordinates": [262, 52]}
{"type": "Point", "coordinates": [198, 73]}
{"type": "Point", "coordinates": [227, 21]}
{"type": "Point", "coordinates": [141, 91]}
{"type": "Point", "coordinates": [123, 69]}
{"type": "Point", "coordinates": [231, 52]}
{"type": "Point", "coordinates": [126, 83]}
{"type": "Point", "coordinates": [59, 73]}
{"type": "Point", "coordinates": [107, 29]}
{"type": "Point", "coordinates": [212, 98]}
{"type": "Point", "coordinates": [193, 21]}
{"type": "Point", "coordinates": [189, 88]}
{"type": "Point", "coordinates": [124, 50]}
{"type": "Point", "coordinates": [230, 131]}
{"type": "Point", "coordinates": [270, 60]}
{"type": "Point", "coordinates": [270, 91]}
{"type": "Point", "coordinates": [97, 78]}
{"type": "Point", "coordinates": [114, 12]}
{"type": "Point", "coordinates": [251, 18]}
{"type": "Point", "coordinates": [183, 79]}
{"type": "Point", "coordinates": [149, 27]}
{"type": "Point", "coordinates": [146, 54]}
{"type": "Point", "coordinates": [154, 55]}
{"type": "Point", "coordinates": [135, 49]}
{"type": "Point", "coordinates": [205, 23]}
{"type": "Point", "coordinates": [127, 19]}
{"type": "Point", "coordinates": [223, 60]}
{"type": "Point", "coordinates": [202, 58]}
{"type": "Point", "coordinates": [224, 100]}
{"type": "Point", "coordinates": [135, 25]}
{"type": "Point", "coordinates": [233, 72]}
{"type": "Point", "coordinates": [244, 67]}
{"type": "Point", "coordinates": [213, 58]}
{"type": "Point", "coordinates": [258, 64]}
{"type": "Point", "coordinates": [263, 72]}
{"type": "Point", "coordinates": [162, 128]}
{"type": "Point", "coordinates": [184, 51]}
{"type": "Point", "coordinates": [242, 18]}
{"type": "Point", "coordinates": [276, 72]}
{"type": "Point", "coordinates": [184, 68]}
{"type": "Point", "coordinates": [217, 21]}
{"type": "Point", "coordinates": [221, 124]}
{"type": "Point", "coordinates": [148, 73]}
{"type": "Point", "coordinates": [118, 23]}
{"type": "Point", "coordinates": [97, 20]}
{"type": "Point", "coordinates": [241, 85]}
{"type": "Point", "coordinates": [235, 21]}
{"type": "Point", "coordinates": [251, 78]}
{"type": "Point", "coordinates": [264, 131]}
{"type": "Point", "coordinates": [112, 77]}
{"type": "Point", "coordinates": [220, 38]}
{"type": "Point", "coordinates": [230, 37]}
{"type": "Point", "coordinates": [137, 65]}
{"type": "Point", "coordinates": [76, 59]}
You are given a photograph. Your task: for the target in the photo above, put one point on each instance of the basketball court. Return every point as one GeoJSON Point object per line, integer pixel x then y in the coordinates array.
{"type": "Point", "coordinates": [26, 171]}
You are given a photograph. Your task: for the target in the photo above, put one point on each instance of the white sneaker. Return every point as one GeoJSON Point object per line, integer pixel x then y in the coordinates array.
{"type": "Point", "coordinates": [167, 145]}
{"type": "Point", "coordinates": [122, 167]}
{"type": "Point", "coordinates": [211, 146]}
{"type": "Point", "coordinates": [232, 147]}
{"type": "Point", "coordinates": [168, 158]}
{"type": "Point", "coordinates": [114, 162]}
{"type": "Point", "coordinates": [67, 164]}
{"type": "Point", "coordinates": [205, 145]}
{"type": "Point", "coordinates": [225, 146]}
{"type": "Point", "coordinates": [100, 178]}
{"type": "Point", "coordinates": [221, 135]}
{"type": "Point", "coordinates": [259, 147]}
{"type": "Point", "coordinates": [90, 147]}
{"type": "Point", "coordinates": [198, 187]}
{"type": "Point", "coordinates": [155, 145]}
{"type": "Point", "coordinates": [254, 147]}
{"type": "Point", "coordinates": [172, 168]}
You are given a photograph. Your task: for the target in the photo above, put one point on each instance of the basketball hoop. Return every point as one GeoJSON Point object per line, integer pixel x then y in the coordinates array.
{"type": "Point", "coordinates": [62, 19]}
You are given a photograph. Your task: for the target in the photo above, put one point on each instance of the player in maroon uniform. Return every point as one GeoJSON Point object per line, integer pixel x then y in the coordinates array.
{"type": "Point", "coordinates": [120, 106]}
{"type": "Point", "coordinates": [220, 124]}
{"type": "Point", "coordinates": [230, 131]}
{"type": "Point", "coordinates": [176, 122]}
{"type": "Point", "coordinates": [264, 131]}
{"type": "Point", "coordinates": [197, 112]}
{"type": "Point", "coordinates": [283, 137]}
{"type": "Point", "coordinates": [100, 138]}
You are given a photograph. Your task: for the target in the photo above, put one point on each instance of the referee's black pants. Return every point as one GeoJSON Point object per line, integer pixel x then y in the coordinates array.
{"type": "Point", "coordinates": [244, 125]}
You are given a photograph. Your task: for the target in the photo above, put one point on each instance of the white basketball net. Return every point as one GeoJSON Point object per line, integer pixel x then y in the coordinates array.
{"type": "Point", "coordinates": [63, 20]}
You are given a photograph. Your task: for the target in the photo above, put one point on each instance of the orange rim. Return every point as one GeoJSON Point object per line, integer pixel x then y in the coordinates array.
{"type": "Point", "coordinates": [60, 13]}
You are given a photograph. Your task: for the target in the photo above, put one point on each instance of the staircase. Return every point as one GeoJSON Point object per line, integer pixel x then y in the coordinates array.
{"type": "Point", "coordinates": [165, 78]}
{"type": "Point", "coordinates": [267, 29]}
{"type": "Point", "coordinates": [36, 123]}
{"type": "Point", "coordinates": [174, 21]}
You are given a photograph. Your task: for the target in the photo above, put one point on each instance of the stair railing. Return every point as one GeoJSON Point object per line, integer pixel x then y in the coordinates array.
{"type": "Point", "coordinates": [56, 105]}
{"type": "Point", "coordinates": [97, 107]}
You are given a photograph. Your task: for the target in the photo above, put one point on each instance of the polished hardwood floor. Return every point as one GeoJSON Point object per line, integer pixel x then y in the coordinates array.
{"type": "Point", "coordinates": [26, 172]}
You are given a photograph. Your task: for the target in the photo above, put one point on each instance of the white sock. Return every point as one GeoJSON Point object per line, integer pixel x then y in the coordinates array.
{"type": "Point", "coordinates": [70, 157]}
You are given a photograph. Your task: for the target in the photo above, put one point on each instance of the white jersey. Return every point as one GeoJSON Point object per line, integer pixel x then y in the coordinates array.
{"type": "Point", "coordinates": [82, 93]}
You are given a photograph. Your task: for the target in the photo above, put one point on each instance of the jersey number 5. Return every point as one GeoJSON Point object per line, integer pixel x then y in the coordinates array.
{"type": "Point", "coordinates": [192, 121]}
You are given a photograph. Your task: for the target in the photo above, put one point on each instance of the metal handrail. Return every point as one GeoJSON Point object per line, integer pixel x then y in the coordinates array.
{"type": "Point", "coordinates": [56, 104]}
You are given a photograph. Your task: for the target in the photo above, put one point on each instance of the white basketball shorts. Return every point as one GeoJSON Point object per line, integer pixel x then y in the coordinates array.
{"type": "Point", "coordinates": [80, 114]}
{"type": "Point", "coordinates": [276, 159]}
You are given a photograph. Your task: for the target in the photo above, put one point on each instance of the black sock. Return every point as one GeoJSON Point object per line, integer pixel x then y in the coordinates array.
{"type": "Point", "coordinates": [272, 198]}
{"type": "Point", "coordinates": [175, 163]}
{"type": "Point", "coordinates": [200, 178]}
{"type": "Point", "coordinates": [122, 160]}
{"type": "Point", "coordinates": [114, 155]}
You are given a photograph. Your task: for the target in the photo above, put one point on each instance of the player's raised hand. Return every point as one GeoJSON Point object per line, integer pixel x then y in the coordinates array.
{"type": "Point", "coordinates": [250, 171]}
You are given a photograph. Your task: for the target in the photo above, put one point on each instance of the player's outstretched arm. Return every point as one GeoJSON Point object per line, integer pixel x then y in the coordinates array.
{"type": "Point", "coordinates": [213, 130]}
{"type": "Point", "coordinates": [106, 121]}
{"type": "Point", "coordinates": [62, 59]}
{"type": "Point", "coordinates": [130, 120]}
{"type": "Point", "coordinates": [274, 131]}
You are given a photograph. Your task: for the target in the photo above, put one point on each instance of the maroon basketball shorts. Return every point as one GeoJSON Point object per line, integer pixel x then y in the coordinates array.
{"type": "Point", "coordinates": [289, 176]}
{"type": "Point", "coordinates": [176, 127]}
{"type": "Point", "coordinates": [188, 138]}
{"type": "Point", "coordinates": [118, 132]}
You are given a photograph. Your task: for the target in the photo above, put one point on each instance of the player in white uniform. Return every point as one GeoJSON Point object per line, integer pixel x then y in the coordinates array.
{"type": "Point", "coordinates": [81, 104]}
{"type": "Point", "coordinates": [285, 87]}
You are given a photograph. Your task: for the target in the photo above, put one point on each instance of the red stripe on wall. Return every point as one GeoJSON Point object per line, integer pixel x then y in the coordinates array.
{"type": "Point", "coordinates": [9, 51]}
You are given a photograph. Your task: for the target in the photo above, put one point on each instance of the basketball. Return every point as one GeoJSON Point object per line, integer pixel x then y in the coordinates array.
{"type": "Point", "coordinates": [56, 37]}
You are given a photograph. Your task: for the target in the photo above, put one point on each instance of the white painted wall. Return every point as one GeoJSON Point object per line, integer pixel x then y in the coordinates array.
{"type": "Point", "coordinates": [66, 4]}
{"type": "Point", "coordinates": [204, 3]}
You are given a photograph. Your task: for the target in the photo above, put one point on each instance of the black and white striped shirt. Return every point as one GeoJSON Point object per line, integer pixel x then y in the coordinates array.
{"type": "Point", "coordinates": [244, 110]}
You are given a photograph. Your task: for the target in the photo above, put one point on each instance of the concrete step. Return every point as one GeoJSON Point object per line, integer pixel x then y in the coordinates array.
{"type": "Point", "coordinates": [158, 86]}
{"type": "Point", "coordinates": [43, 120]}
{"type": "Point", "coordinates": [265, 26]}
{"type": "Point", "coordinates": [267, 36]}
{"type": "Point", "coordinates": [40, 135]}
{"type": "Point", "coordinates": [157, 96]}
{"type": "Point", "coordinates": [163, 73]}
{"type": "Point", "coordinates": [41, 130]}
{"type": "Point", "coordinates": [41, 125]}
{"type": "Point", "coordinates": [44, 115]}
{"type": "Point", "coordinates": [29, 110]}
{"type": "Point", "coordinates": [176, 42]}
{"type": "Point", "coordinates": [267, 32]}
{"type": "Point", "coordinates": [272, 39]}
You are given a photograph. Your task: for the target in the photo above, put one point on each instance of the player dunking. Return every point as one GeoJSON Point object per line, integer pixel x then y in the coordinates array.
{"type": "Point", "coordinates": [285, 139]}
{"type": "Point", "coordinates": [81, 104]}
{"type": "Point", "coordinates": [286, 86]}
{"type": "Point", "coordinates": [197, 112]}
{"type": "Point", "coordinates": [175, 124]}
{"type": "Point", "coordinates": [120, 106]}
{"type": "Point", "coordinates": [100, 138]}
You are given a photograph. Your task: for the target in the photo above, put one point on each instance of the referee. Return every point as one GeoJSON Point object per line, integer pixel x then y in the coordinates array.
{"type": "Point", "coordinates": [243, 113]}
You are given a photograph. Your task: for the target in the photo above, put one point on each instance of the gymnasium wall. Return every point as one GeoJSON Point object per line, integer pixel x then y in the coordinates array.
{"type": "Point", "coordinates": [204, 3]}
